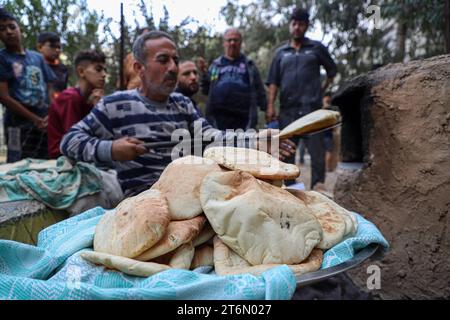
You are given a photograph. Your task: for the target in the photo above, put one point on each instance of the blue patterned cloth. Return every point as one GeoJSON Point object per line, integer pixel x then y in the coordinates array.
{"type": "Point", "coordinates": [57, 184]}
{"type": "Point", "coordinates": [55, 270]}
{"type": "Point", "coordinates": [366, 234]}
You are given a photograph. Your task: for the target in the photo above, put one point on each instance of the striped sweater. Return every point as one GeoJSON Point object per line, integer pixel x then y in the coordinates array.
{"type": "Point", "coordinates": [127, 113]}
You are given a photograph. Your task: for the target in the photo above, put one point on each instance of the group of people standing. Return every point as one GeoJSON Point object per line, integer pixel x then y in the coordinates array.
{"type": "Point", "coordinates": [40, 108]}
{"type": "Point", "coordinates": [235, 89]}
{"type": "Point", "coordinates": [113, 130]}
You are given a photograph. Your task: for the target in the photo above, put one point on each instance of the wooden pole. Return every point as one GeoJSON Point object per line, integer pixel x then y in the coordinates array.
{"type": "Point", "coordinates": [122, 47]}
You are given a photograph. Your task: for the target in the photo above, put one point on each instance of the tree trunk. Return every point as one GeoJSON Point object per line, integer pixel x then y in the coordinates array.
{"type": "Point", "coordinates": [401, 42]}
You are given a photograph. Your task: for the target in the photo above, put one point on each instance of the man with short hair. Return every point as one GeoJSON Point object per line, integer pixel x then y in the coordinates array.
{"type": "Point", "coordinates": [24, 91]}
{"type": "Point", "coordinates": [188, 81]}
{"type": "Point", "coordinates": [234, 87]}
{"type": "Point", "coordinates": [73, 104]}
{"type": "Point", "coordinates": [114, 133]}
{"type": "Point", "coordinates": [295, 72]}
{"type": "Point", "coordinates": [49, 45]}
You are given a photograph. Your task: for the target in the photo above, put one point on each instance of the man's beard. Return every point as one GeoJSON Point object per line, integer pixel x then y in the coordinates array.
{"type": "Point", "coordinates": [188, 91]}
{"type": "Point", "coordinates": [298, 37]}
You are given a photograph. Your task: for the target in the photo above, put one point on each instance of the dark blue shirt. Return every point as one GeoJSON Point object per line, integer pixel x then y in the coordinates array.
{"type": "Point", "coordinates": [297, 74]}
{"type": "Point", "coordinates": [27, 76]}
{"type": "Point", "coordinates": [231, 90]}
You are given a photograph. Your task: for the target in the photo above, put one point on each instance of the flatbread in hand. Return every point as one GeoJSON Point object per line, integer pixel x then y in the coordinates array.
{"type": "Point", "coordinates": [314, 121]}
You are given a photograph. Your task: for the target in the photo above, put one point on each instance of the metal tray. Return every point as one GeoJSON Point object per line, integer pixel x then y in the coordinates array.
{"type": "Point", "coordinates": [318, 276]}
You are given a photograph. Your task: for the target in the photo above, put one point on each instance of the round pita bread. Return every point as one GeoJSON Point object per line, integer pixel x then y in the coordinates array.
{"type": "Point", "coordinates": [204, 256]}
{"type": "Point", "coordinates": [125, 265]}
{"type": "Point", "coordinates": [182, 257]}
{"type": "Point", "coordinates": [314, 121]}
{"type": "Point", "coordinates": [258, 163]}
{"type": "Point", "coordinates": [136, 225]}
{"type": "Point", "coordinates": [207, 234]}
{"type": "Point", "coordinates": [177, 234]}
{"type": "Point", "coordinates": [336, 222]}
{"type": "Point", "coordinates": [227, 262]}
{"type": "Point", "coordinates": [262, 223]}
{"type": "Point", "coordinates": [351, 224]}
{"type": "Point", "coordinates": [180, 184]}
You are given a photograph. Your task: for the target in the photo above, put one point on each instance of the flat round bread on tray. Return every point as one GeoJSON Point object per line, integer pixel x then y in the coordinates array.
{"type": "Point", "coordinates": [314, 121]}
{"type": "Point", "coordinates": [180, 184]}
{"type": "Point", "coordinates": [177, 234]}
{"type": "Point", "coordinates": [227, 262]}
{"type": "Point", "coordinates": [205, 235]}
{"type": "Point", "coordinates": [258, 163]}
{"type": "Point", "coordinates": [262, 223]}
{"type": "Point", "coordinates": [337, 223]}
{"type": "Point", "coordinates": [135, 226]}
{"type": "Point", "coordinates": [182, 257]}
{"type": "Point", "coordinates": [128, 266]}
{"type": "Point", "coordinates": [204, 256]}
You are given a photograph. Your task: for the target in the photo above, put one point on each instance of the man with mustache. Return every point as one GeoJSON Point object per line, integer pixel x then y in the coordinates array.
{"type": "Point", "coordinates": [295, 72]}
{"type": "Point", "coordinates": [114, 132]}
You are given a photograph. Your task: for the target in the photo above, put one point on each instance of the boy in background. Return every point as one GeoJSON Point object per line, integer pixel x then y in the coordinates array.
{"type": "Point", "coordinates": [73, 104]}
{"type": "Point", "coordinates": [49, 45]}
{"type": "Point", "coordinates": [24, 87]}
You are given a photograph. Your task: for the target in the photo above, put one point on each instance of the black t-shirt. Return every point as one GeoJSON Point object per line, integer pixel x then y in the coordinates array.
{"type": "Point", "coordinates": [297, 74]}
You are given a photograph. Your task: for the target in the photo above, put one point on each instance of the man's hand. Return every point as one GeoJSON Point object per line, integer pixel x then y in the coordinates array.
{"type": "Point", "coordinates": [270, 113]}
{"type": "Point", "coordinates": [95, 96]}
{"type": "Point", "coordinates": [127, 149]}
{"type": "Point", "coordinates": [287, 149]}
{"type": "Point", "coordinates": [265, 140]}
{"type": "Point", "coordinates": [41, 123]}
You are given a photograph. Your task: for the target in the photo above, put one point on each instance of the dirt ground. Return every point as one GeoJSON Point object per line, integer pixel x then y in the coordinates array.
{"type": "Point", "coordinates": [305, 176]}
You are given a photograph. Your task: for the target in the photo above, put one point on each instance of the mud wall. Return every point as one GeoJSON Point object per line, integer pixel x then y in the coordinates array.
{"type": "Point", "coordinates": [404, 186]}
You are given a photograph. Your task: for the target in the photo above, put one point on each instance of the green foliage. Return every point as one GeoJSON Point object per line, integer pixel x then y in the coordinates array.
{"type": "Point", "coordinates": [410, 29]}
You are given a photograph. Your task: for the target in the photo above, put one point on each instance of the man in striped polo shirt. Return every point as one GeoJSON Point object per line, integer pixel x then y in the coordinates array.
{"type": "Point", "coordinates": [115, 131]}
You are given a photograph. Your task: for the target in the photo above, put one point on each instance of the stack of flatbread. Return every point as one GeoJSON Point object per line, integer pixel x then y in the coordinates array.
{"type": "Point", "coordinates": [159, 228]}
{"type": "Point", "coordinates": [225, 210]}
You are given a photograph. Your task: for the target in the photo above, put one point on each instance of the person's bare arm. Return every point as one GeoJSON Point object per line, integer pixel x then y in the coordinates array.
{"type": "Point", "coordinates": [270, 113]}
{"type": "Point", "coordinates": [286, 147]}
{"type": "Point", "coordinates": [16, 107]}
{"type": "Point", "coordinates": [51, 92]}
{"type": "Point", "coordinates": [327, 84]}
